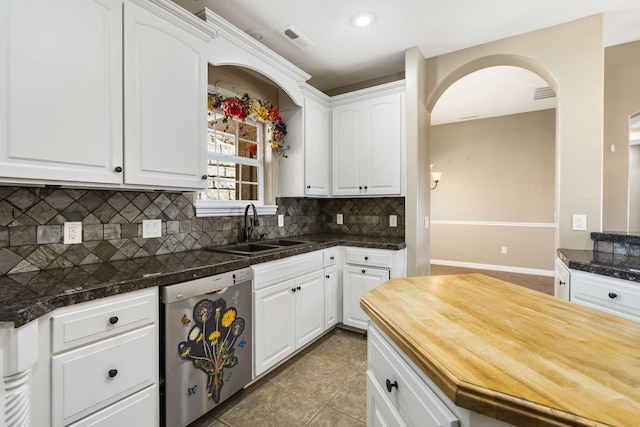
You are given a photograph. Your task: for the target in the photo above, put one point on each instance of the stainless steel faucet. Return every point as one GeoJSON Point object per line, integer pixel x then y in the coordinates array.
{"type": "Point", "coordinates": [248, 229]}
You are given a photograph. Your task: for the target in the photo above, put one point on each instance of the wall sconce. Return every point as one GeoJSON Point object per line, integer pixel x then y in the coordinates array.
{"type": "Point", "coordinates": [435, 176]}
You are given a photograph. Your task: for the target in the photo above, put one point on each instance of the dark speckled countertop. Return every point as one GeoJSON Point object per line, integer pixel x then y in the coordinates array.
{"type": "Point", "coordinates": [621, 266]}
{"type": "Point", "coordinates": [27, 296]}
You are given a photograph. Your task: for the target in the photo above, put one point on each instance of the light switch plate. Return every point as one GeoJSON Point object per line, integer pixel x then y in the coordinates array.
{"type": "Point", "coordinates": [151, 228]}
{"type": "Point", "coordinates": [339, 219]}
{"type": "Point", "coordinates": [280, 220]}
{"type": "Point", "coordinates": [393, 220]}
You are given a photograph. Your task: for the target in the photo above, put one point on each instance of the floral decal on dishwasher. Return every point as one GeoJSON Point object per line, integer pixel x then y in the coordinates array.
{"type": "Point", "coordinates": [211, 340]}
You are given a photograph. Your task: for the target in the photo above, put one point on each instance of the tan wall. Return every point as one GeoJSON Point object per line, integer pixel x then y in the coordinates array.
{"type": "Point", "coordinates": [570, 58]}
{"type": "Point", "coordinates": [502, 170]}
{"type": "Point", "coordinates": [621, 100]}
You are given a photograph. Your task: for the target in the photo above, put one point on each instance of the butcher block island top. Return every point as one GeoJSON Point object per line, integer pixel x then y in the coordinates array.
{"type": "Point", "coordinates": [512, 353]}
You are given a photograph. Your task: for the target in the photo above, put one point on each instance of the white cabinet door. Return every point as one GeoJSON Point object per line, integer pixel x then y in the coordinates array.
{"type": "Point", "coordinates": [316, 148]}
{"type": "Point", "coordinates": [367, 144]}
{"type": "Point", "coordinates": [330, 296]}
{"type": "Point", "coordinates": [381, 172]}
{"type": "Point", "coordinates": [165, 76]}
{"type": "Point", "coordinates": [309, 307]}
{"type": "Point", "coordinates": [380, 412]}
{"type": "Point", "coordinates": [356, 282]}
{"type": "Point", "coordinates": [95, 376]}
{"type": "Point", "coordinates": [139, 409]}
{"type": "Point", "coordinates": [274, 325]}
{"type": "Point", "coordinates": [562, 285]}
{"type": "Point", "coordinates": [345, 149]}
{"type": "Point", "coordinates": [61, 90]}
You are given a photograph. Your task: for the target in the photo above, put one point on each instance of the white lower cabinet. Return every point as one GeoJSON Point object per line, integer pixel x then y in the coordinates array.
{"type": "Point", "coordinates": [287, 314]}
{"type": "Point", "coordinates": [380, 413]}
{"type": "Point", "coordinates": [608, 294]}
{"type": "Point", "coordinates": [309, 311]}
{"type": "Point", "coordinates": [357, 281]}
{"type": "Point", "coordinates": [399, 391]}
{"type": "Point", "coordinates": [274, 331]}
{"type": "Point", "coordinates": [331, 296]}
{"type": "Point", "coordinates": [364, 270]}
{"type": "Point", "coordinates": [98, 363]}
{"type": "Point", "coordinates": [562, 285]}
{"type": "Point", "coordinates": [132, 411]}
{"type": "Point", "coordinates": [400, 394]}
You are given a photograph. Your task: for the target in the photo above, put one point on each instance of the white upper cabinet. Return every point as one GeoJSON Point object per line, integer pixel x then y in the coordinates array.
{"type": "Point", "coordinates": [165, 80]}
{"type": "Point", "coordinates": [317, 146]}
{"type": "Point", "coordinates": [61, 90]}
{"type": "Point", "coordinates": [63, 94]}
{"type": "Point", "coordinates": [367, 145]}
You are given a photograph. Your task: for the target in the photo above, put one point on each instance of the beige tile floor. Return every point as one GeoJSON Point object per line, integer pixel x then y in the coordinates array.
{"type": "Point", "coordinates": [324, 385]}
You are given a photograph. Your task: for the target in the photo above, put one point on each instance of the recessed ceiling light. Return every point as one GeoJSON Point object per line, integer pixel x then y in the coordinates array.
{"type": "Point", "coordinates": [362, 20]}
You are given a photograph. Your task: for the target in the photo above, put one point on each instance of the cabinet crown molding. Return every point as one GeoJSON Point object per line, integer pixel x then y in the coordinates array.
{"type": "Point", "coordinates": [246, 42]}
{"type": "Point", "coordinates": [179, 17]}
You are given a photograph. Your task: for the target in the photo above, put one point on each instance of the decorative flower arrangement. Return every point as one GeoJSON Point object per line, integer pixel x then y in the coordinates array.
{"type": "Point", "coordinates": [259, 111]}
{"type": "Point", "coordinates": [211, 342]}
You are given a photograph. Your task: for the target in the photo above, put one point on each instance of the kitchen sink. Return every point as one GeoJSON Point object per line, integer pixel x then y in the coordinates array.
{"type": "Point", "coordinates": [259, 247]}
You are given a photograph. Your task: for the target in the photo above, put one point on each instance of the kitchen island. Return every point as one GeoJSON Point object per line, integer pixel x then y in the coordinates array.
{"type": "Point", "coordinates": [510, 353]}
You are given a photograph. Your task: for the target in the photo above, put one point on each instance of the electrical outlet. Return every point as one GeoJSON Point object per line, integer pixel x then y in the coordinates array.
{"type": "Point", "coordinates": [503, 250]}
{"type": "Point", "coordinates": [151, 228]}
{"type": "Point", "coordinates": [72, 233]}
{"type": "Point", "coordinates": [393, 220]}
{"type": "Point", "coordinates": [280, 220]}
{"type": "Point", "coordinates": [426, 222]}
{"type": "Point", "coordinates": [579, 223]}
{"type": "Point", "coordinates": [339, 219]}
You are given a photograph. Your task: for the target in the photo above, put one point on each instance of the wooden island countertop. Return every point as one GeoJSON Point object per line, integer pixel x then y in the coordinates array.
{"type": "Point", "coordinates": [512, 353]}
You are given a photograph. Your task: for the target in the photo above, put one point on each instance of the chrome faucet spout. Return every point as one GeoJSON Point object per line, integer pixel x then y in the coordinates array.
{"type": "Point", "coordinates": [248, 229]}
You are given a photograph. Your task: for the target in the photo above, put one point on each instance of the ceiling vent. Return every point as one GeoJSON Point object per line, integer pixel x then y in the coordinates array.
{"type": "Point", "coordinates": [543, 93]}
{"type": "Point", "coordinates": [295, 37]}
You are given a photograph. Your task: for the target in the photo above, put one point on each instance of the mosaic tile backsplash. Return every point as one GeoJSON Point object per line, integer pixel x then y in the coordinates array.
{"type": "Point", "coordinates": [31, 224]}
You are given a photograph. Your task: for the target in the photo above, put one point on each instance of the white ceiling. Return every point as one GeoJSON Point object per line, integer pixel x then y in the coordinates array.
{"type": "Point", "coordinates": [341, 54]}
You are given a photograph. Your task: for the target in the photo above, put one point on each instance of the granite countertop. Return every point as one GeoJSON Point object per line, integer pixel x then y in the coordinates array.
{"type": "Point", "coordinates": [27, 296]}
{"type": "Point", "coordinates": [512, 353]}
{"type": "Point", "coordinates": [620, 266]}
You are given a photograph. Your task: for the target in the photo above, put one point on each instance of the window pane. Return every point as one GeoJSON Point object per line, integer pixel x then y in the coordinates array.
{"type": "Point", "coordinates": [230, 145]}
{"type": "Point", "coordinates": [249, 191]}
{"type": "Point", "coordinates": [248, 173]}
{"type": "Point", "coordinates": [222, 136]}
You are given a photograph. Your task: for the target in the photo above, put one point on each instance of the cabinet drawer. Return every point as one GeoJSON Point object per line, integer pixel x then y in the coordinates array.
{"type": "Point", "coordinates": [89, 378]}
{"type": "Point", "coordinates": [615, 296]}
{"type": "Point", "coordinates": [370, 257]}
{"type": "Point", "coordinates": [91, 321]}
{"type": "Point", "coordinates": [137, 410]}
{"type": "Point", "coordinates": [330, 257]}
{"type": "Point", "coordinates": [270, 273]}
{"type": "Point", "coordinates": [414, 401]}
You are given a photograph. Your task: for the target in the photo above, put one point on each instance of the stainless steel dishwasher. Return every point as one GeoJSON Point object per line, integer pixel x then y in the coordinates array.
{"type": "Point", "coordinates": [207, 344]}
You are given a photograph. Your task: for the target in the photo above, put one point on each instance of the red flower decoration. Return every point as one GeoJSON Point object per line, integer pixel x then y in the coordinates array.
{"type": "Point", "coordinates": [274, 115]}
{"type": "Point", "coordinates": [233, 108]}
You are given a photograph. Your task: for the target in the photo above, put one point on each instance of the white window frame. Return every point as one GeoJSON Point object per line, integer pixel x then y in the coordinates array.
{"type": "Point", "coordinates": [237, 207]}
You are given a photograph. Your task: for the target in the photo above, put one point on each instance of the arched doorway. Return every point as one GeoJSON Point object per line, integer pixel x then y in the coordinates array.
{"type": "Point", "coordinates": [493, 138]}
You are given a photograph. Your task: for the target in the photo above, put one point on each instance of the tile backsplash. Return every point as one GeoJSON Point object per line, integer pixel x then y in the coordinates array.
{"type": "Point", "coordinates": [31, 224]}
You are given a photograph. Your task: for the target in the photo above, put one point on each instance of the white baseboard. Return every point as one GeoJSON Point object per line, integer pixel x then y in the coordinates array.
{"type": "Point", "coordinates": [521, 270]}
